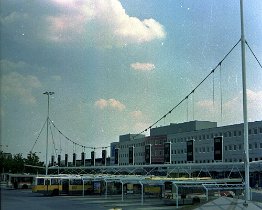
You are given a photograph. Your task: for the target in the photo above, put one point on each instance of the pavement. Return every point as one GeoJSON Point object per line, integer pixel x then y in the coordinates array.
{"type": "Point", "coordinates": [225, 203]}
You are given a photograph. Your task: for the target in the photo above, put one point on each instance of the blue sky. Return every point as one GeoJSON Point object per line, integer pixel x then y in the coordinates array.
{"type": "Point", "coordinates": [117, 66]}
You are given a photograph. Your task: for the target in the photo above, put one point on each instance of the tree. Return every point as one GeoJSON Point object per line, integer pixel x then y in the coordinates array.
{"type": "Point", "coordinates": [32, 163]}
{"type": "Point", "coordinates": [18, 164]}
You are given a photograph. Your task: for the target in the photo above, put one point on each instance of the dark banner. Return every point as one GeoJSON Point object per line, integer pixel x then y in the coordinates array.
{"type": "Point", "coordinates": [66, 159]}
{"type": "Point", "coordinates": [83, 157]}
{"type": "Point", "coordinates": [148, 154]}
{"type": "Point", "coordinates": [116, 156]}
{"type": "Point", "coordinates": [92, 158]}
{"type": "Point", "coordinates": [190, 150]}
{"type": "Point", "coordinates": [218, 148]}
{"type": "Point", "coordinates": [167, 152]}
{"type": "Point", "coordinates": [52, 160]}
{"type": "Point", "coordinates": [103, 157]}
{"type": "Point", "coordinates": [59, 160]}
{"type": "Point", "coordinates": [74, 159]}
{"type": "Point", "coordinates": [131, 155]}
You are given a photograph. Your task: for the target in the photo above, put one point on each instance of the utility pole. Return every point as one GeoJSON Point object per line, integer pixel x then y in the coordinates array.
{"type": "Point", "coordinates": [246, 159]}
{"type": "Point", "coordinates": [47, 124]}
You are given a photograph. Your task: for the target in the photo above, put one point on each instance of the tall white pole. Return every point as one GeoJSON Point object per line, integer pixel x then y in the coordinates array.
{"type": "Point", "coordinates": [246, 159]}
{"type": "Point", "coordinates": [47, 125]}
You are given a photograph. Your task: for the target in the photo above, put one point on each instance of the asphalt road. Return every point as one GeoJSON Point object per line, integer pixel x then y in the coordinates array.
{"type": "Point", "coordinates": [26, 200]}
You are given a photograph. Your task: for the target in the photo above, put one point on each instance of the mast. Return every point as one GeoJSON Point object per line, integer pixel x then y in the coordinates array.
{"type": "Point", "coordinates": [246, 158]}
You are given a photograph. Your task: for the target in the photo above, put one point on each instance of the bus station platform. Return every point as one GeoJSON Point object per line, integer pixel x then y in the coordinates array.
{"type": "Point", "coordinates": [226, 203]}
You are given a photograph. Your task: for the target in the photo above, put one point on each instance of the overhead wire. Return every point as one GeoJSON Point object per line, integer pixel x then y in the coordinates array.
{"type": "Point", "coordinates": [38, 137]}
{"type": "Point", "coordinates": [253, 54]}
{"type": "Point", "coordinates": [191, 93]}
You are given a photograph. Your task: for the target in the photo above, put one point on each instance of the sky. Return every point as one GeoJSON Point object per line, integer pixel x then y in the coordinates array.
{"type": "Point", "coordinates": [117, 66]}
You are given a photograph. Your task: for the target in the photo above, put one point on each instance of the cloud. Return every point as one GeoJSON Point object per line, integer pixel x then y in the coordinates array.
{"type": "Point", "coordinates": [232, 110]}
{"type": "Point", "coordinates": [142, 66]}
{"type": "Point", "coordinates": [110, 103]}
{"type": "Point", "coordinates": [56, 78]}
{"type": "Point", "coordinates": [104, 21]}
{"type": "Point", "coordinates": [19, 86]}
{"type": "Point", "coordinates": [136, 115]}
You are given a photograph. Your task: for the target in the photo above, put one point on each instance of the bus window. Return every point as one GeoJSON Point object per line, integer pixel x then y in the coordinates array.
{"type": "Point", "coordinates": [47, 182]}
{"type": "Point", "coordinates": [54, 181]}
{"type": "Point", "coordinates": [76, 182]}
{"type": "Point", "coordinates": [40, 181]}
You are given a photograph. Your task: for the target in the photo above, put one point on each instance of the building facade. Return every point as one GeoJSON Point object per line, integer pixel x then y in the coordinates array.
{"type": "Point", "coordinates": [201, 132]}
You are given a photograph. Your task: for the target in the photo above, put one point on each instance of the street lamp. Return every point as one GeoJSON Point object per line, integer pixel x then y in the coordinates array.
{"type": "Point", "coordinates": [47, 123]}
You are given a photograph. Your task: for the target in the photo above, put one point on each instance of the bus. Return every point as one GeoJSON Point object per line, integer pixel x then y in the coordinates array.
{"type": "Point", "coordinates": [19, 181]}
{"type": "Point", "coordinates": [62, 185]}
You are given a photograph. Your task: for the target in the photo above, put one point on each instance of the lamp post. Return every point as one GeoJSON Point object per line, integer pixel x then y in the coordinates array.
{"type": "Point", "coordinates": [246, 159]}
{"type": "Point", "coordinates": [47, 123]}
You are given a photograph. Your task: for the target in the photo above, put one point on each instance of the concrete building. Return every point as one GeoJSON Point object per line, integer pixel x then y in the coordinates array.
{"type": "Point", "coordinates": [201, 132]}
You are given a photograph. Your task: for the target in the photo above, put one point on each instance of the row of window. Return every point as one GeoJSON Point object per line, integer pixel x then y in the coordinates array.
{"type": "Point", "coordinates": [235, 133]}
{"type": "Point", "coordinates": [226, 134]}
{"type": "Point", "coordinates": [198, 150]}
{"type": "Point", "coordinates": [200, 161]}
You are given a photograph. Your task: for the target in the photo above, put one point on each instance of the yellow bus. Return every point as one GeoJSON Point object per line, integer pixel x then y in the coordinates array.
{"type": "Point", "coordinates": [62, 185]}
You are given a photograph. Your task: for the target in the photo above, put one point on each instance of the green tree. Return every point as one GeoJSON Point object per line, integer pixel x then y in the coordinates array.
{"type": "Point", "coordinates": [6, 162]}
{"type": "Point", "coordinates": [33, 164]}
{"type": "Point", "coordinates": [18, 164]}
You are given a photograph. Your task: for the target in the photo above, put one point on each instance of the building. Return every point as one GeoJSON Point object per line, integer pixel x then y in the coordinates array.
{"type": "Point", "coordinates": [131, 148]}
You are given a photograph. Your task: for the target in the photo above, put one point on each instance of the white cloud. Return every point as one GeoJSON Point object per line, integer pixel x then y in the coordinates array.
{"type": "Point", "coordinates": [104, 21]}
{"type": "Point", "coordinates": [142, 66]}
{"type": "Point", "coordinates": [110, 103]}
{"type": "Point", "coordinates": [232, 110]}
{"type": "Point", "coordinates": [19, 86]}
{"type": "Point", "coordinates": [136, 115]}
{"type": "Point", "coordinates": [56, 78]}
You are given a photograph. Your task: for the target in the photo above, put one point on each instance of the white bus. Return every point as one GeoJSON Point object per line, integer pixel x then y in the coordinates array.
{"type": "Point", "coordinates": [19, 181]}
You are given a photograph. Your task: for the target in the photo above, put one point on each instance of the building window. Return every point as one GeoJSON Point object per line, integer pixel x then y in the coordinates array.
{"type": "Point", "coordinates": [239, 146]}
{"type": "Point", "coordinates": [256, 145]}
{"type": "Point", "coordinates": [225, 134]}
{"type": "Point", "coordinates": [235, 133]}
{"type": "Point", "coordinates": [204, 137]}
{"type": "Point", "coordinates": [240, 160]}
{"type": "Point", "coordinates": [250, 159]}
{"type": "Point", "coordinates": [230, 148]}
{"type": "Point", "coordinates": [260, 130]}
{"type": "Point", "coordinates": [225, 148]}
{"type": "Point", "coordinates": [250, 146]}
{"type": "Point", "coordinates": [249, 131]}
{"type": "Point", "coordinates": [260, 145]}
{"type": "Point", "coordinates": [255, 130]}
{"type": "Point", "coordinates": [239, 133]}
{"type": "Point", "coordinates": [235, 147]}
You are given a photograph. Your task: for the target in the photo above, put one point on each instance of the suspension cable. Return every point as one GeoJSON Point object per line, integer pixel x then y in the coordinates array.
{"type": "Point", "coordinates": [253, 54]}
{"type": "Point", "coordinates": [219, 64]}
{"type": "Point", "coordinates": [38, 137]}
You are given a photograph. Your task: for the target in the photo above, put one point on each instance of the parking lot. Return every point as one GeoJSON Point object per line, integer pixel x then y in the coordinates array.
{"type": "Point", "coordinates": [26, 200]}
